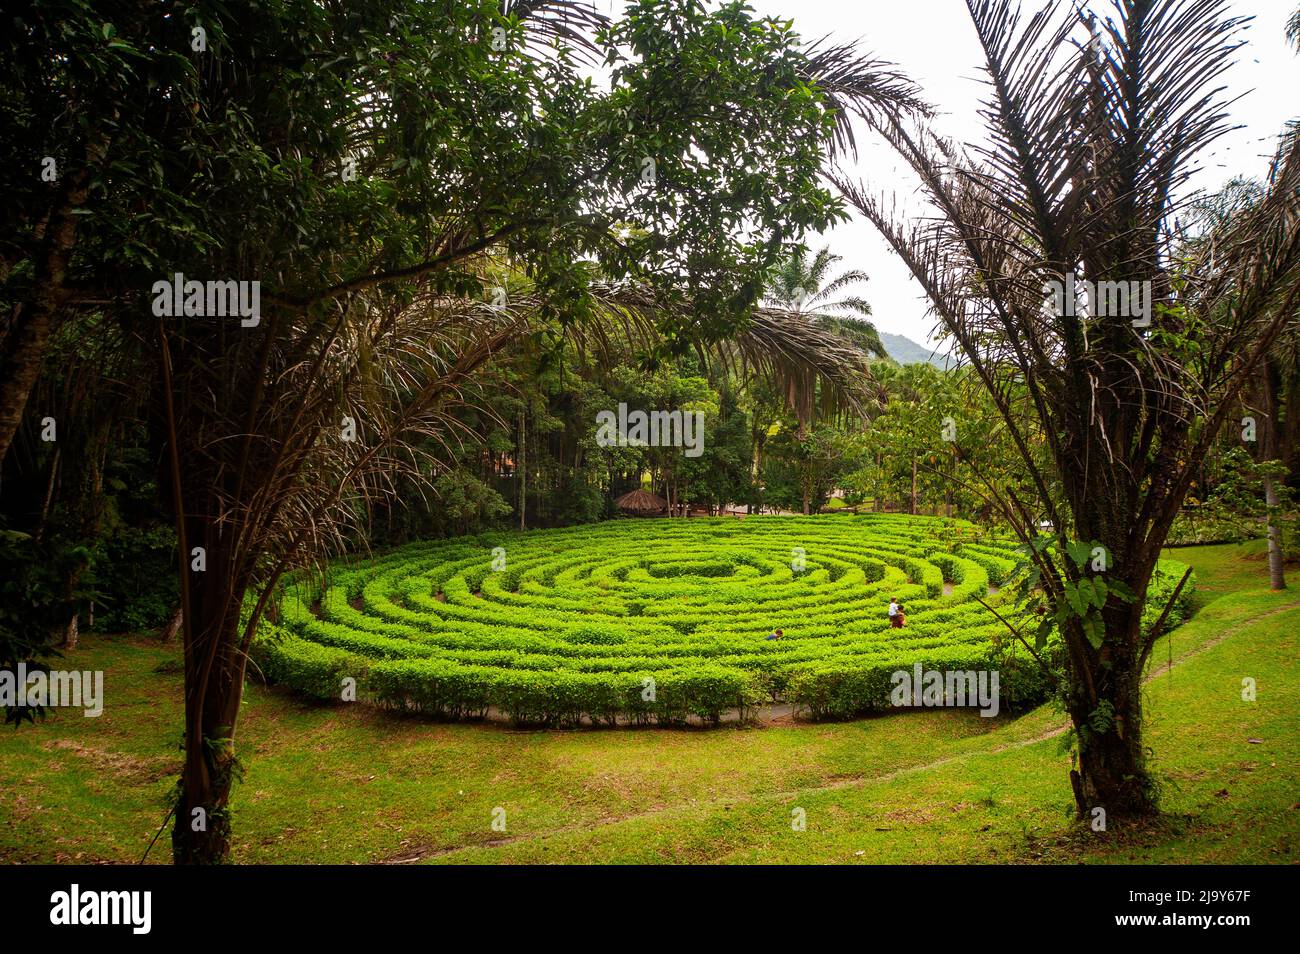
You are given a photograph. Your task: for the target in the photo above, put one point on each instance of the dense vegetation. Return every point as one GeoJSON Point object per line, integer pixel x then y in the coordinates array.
{"type": "Point", "coordinates": [639, 622]}
{"type": "Point", "coordinates": [349, 784]}
{"type": "Point", "coordinates": [467, 247]}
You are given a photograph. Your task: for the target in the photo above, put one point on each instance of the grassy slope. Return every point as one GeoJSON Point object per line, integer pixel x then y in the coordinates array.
{"type": "Point", "coordinates": [348, 784]}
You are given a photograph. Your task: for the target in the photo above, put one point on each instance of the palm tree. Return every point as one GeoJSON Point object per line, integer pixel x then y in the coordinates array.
{"type": "Point", "coordinates": [801, 286]}
{"type": "Point", "coordinates": [1093, 128]}
{"type": "Point", "coordinates": [801, 283]}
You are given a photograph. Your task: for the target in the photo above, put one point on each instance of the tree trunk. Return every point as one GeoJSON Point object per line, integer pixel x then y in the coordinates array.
{"type": "Point", "coordinates": [1105, 695]}
{"type": "Point", "coordinates": [71, 632]}
{"type": "Point", "coordinates": [1270, 379]}
{"type": "Point", "coordinates": [912, 510]}
{"type": "Point", "coordinates": [28, 336]}
{"type": "Point", "coordinates": [1276, 570]}
{"type": "Point", "coordinates": [523, 472]}
{"type": "Point", "coordinates": [1111, 772]}
{"type": "Point", "coordinates": [173, 626]}
{"type": "Point", "coordinates": [215, 684]}
{"type": "Point", "coordinates": [49, 494]}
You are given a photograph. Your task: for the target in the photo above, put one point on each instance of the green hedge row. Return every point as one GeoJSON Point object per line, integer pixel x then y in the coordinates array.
{"type": "Point", "coordinates": [578, 620]}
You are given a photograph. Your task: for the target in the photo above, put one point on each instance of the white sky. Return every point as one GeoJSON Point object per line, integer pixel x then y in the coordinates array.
{"type": "Point", "coordinates": [934, 43]}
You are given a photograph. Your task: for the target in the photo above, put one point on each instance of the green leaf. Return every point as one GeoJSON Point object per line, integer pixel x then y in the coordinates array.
{"type": "Point", "coordinates": [1094, 630]}
{"type": "Point", "coordinates": [1123, 591]}
{"type": "Point", "coordinates": [1044, 631]}
{"type": "Point", "coordinates": [1074, 599]}
{"type": "Point", "coordinates": [1079, 551]}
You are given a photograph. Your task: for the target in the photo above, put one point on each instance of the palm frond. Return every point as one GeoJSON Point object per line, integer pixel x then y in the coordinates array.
{"type": "Point", "coordinates": [841, 281]}
{"type": "Point", "coordinates": [574, 24]}
{"type": "Point", "coordinates": [816, 368]}
{"type": "Point", "coordinates": [852, 303]}
{"type": "Point", "coordinates": [858, 86]}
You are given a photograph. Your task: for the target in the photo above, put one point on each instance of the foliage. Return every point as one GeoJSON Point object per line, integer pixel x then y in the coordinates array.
{"type": "Point", "coordinates": [570, 625]}
{"type": "Point", "coordinates": [1234, 510]}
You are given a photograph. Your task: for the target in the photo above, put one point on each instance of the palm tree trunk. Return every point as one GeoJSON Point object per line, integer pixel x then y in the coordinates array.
{"type": "Point", "coordinates": [215, 669]}
{"type": "Point", "coordinates": [1112, 772]}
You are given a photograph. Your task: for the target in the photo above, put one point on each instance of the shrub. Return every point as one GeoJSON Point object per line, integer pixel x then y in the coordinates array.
{"type": "Point", "coordinates": [657, 622]}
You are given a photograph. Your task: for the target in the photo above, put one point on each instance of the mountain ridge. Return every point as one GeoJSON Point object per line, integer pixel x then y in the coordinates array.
{"type": "Point", "coordinates": [906, 351]}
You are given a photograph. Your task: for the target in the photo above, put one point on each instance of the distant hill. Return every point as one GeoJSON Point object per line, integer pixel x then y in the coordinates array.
{"type": "Point", "coordinates": [906, 351]}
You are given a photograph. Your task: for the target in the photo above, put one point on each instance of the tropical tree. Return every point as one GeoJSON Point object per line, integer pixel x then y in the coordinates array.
{"type": "Point", "coordinates": [1094, 125]}
{"type": "Point", "coordinates": [1269, 425]}
{"type": "Point", "coordinates": [802, 283]}
{"type": "Point", "coordinates": [357, 174]}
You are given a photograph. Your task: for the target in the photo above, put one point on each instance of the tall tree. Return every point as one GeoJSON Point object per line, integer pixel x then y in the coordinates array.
{"type": "Point", "coordinates": [802, 282]}
{"type": "Point", "coordinates": [342, 173]}
{"type": "Point", "coordinates": [1278, 374]}
{"type": "Point", "coordinates": [1094, 126]}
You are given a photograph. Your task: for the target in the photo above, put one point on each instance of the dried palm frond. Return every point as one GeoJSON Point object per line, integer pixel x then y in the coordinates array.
{"type": "Point", "coordinates": [858, 86]}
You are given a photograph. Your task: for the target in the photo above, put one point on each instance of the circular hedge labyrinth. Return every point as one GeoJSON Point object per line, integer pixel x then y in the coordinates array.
{"type": "Point", "coordinates": [652, 621]}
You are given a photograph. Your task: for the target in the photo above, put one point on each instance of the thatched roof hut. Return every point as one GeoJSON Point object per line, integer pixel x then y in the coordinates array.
{"type": "Point", "coordinates": [639, 503]}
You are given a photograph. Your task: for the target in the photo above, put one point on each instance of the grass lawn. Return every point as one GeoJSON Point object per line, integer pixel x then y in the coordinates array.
{"type": "Point", "coordinates": [351, 784]}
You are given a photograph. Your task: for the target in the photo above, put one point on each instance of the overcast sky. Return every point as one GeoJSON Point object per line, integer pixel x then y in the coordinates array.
{"type": "Point", "coordinates": [934, 43]}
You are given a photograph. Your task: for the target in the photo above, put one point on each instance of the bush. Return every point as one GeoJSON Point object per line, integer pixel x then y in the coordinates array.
{"type": "Point", "coordinates": [656, 622]}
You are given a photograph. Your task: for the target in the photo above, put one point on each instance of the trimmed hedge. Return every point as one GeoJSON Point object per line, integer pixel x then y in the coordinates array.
{"type": "Point", "coordinates": [657, 622]}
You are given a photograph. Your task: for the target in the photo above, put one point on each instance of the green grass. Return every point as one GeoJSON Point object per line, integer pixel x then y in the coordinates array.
{"type": "Point", "coordinates": [352, 784]}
